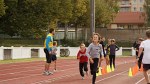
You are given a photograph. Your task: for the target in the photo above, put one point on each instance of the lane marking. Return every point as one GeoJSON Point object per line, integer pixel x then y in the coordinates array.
{"type": "Point", "coordinates": [141, 80]}
{"type": "Point", "coordinates": [31, 75]}
{"type": "Point", "coordinates": [40, 82]}
{"type": "Point", "coordinates": [110, 76]}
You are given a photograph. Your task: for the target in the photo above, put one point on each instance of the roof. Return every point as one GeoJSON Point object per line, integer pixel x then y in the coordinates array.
{"type": "Point", "coordinates": [129, 18]}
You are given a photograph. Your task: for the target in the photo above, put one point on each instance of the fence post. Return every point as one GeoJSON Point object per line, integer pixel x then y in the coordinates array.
{"type": "Point", "coordinates": [133, 51]}
{"type": "Point", "coordinates": [2, 53]}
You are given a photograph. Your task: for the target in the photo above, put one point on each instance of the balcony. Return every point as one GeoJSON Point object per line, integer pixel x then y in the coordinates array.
{"type": "Point", "coordinates": [125, 5]}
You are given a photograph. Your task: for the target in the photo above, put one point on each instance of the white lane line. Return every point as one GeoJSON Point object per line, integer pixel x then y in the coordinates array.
{"type": "Point", "coordinates": [31, 75]}
{"type": "Point", "coordinates": [110, 76]}
{"type": "Point", "coordinates": [29, 67]}
{"type": "Point", "coordinates": [32, 70]}
{"type": "Point", "coordinates": [141, 80]}
{"type": "Point", "coordinates": [54, 79]}
{"type": "Point", "coordinates": [40, 82]}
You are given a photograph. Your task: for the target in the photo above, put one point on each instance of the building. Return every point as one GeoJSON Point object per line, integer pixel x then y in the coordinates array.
{"type": "Point", "coordinates": [128, 20]}
{"type": "Point", "coordinates": [131, 5]}
{"type": "Point", "coordinates": [130, 16]}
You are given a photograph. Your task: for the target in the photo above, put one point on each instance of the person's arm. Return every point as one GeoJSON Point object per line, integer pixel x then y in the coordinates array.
{"type": "Point", "coordinates": [88, 53]}
{"type": "Point", "coordinates": [48, 40]}
{"type": "Point", "coordinates": [78, 55]}
{"type": "Point", "coordinates": [117, 48]}
{"type": "Point", "coordinates": [141, 49]}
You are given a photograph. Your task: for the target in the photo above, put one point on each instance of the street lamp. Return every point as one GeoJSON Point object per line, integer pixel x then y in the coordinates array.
{"type": "Point", "coordinates": [92, 22]}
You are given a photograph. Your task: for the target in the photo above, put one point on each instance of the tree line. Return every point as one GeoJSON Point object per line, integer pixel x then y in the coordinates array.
{"type": "Point", "coordinates": [32, 18]}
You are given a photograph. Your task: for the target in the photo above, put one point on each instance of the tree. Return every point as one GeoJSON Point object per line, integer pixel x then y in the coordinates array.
{"type": "Point", "coordinates": [147, 10]}
{"type": "Point", "coordinates": [105, 11]}
{"type": "Point", "coordinates": [79, 9]}
{"type": "Point", "coordinates": [65, 14]}
{"type": "Point", "coordinates": [2, 8]}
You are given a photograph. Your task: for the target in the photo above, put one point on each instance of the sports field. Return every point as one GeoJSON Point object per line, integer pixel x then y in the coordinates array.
{"type": "Point", "coordinates": [67, 73]}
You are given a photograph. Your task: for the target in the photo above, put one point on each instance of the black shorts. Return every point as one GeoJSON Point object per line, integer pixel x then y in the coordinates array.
{"type": "Point", "coordinates": [54, 58]}
{"type": "Point", "coordinates": [146, 67]}
{"type": "Point", "coordinates": [48, 56]}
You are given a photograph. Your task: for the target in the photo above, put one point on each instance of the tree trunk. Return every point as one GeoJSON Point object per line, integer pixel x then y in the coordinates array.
{"type": "Point", "coordinates": [76, 32]}
{"type": "Point", "coordinates": [66, 31]}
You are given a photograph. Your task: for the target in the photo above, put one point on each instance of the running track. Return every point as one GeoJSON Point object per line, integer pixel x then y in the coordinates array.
{"type": "Point", "coordinates": [67, 73]}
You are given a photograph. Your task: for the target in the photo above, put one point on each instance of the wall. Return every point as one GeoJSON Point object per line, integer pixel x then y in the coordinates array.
{"type": "Point", "coordinates": [25, 52]}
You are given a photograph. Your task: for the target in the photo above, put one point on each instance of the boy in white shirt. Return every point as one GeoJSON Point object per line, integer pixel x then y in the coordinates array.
{"type": "Point", "coordinates": [146, 56]}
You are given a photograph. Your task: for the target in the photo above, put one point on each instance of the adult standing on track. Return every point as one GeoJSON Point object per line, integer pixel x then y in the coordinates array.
{"type": "Point", "coordinates": [146, 57]}
{"type": "Point", "coordinates": [48, 44]}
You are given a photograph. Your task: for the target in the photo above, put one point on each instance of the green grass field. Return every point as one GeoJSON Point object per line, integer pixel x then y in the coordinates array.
{"type": "Point", "coordinates": [30, 60]}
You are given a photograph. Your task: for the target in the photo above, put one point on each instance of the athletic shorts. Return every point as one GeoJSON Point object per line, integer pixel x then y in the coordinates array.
{"type": "Point", "coordinates": [146, 67]}
{"type": "Point", "coordinates": [54, 58]}
{"type": "Point", "coordinates": [48, 56]}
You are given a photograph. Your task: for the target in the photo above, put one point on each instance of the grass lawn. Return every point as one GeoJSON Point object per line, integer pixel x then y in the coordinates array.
{"type": "Point", "coordinates": [30, 60]}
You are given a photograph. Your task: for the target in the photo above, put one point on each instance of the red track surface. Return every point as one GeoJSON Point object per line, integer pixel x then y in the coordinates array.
{"type": "Point", "coordinates": [67, 73]}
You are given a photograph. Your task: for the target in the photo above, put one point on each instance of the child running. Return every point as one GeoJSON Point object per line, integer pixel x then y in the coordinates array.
{"type": "Point", "coordinates": [54, 58]}
{"type": "Point", "coordinates": [113, 48]}
{"type": "Point", "coordinates": [93, 52]}
{"type": "Point", "coordinates": [137, 50]}
{"type": "Point", "coordinates": [108, 52]}
{"type": "Point", "coordinates": [83, 60]}
{"type": "Point", "coordinates": [104, 53]}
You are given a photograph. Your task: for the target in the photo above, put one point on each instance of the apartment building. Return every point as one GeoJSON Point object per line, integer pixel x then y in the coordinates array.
{"type": "Point", "coordinates": [131, 5]}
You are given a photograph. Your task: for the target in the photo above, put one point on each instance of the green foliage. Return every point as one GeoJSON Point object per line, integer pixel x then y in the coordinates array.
{"type": "Point", "coordinates": [32, 18]}
{"type": "Point", "coordinates": [147, 9]}
{"type": "Point", "coordinates": [105, 11]}
{"type": "Point", "coordinates": [2, 8]}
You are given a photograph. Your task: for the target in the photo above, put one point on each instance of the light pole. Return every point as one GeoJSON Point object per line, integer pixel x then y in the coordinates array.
{"type": "Point", "coordinates": [92, 22]}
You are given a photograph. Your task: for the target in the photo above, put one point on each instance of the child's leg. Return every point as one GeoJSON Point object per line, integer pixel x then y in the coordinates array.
{"type": "Point", "coordinates": [96, 60]}
{"type": "Point", "coordinates": [55, 65]}
{"type": "Point", "coordinates": [91, 68]}
{"type": "Point", "coordinates": [85, 67]}
{"type": "Point", "coordinates": [81, 69]}
{"type": "Point", "coordinates": [107, 60]}
{"type": "Point", "coordinates": [140, 61]}
{"type": "Point", "coordinates": [110, 57]}
{"type": "Point", "coordinates": [113, 57]}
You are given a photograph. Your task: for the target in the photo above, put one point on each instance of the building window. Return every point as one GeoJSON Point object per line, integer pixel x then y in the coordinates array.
{"type": "Point", "coordinates": [134, 8]}
{"type": "Point", "coordinates": [134, 1]}
{"type": "Point", "coordinates": [141, 9]}
{"type": "Point", "coordinates": [130, 26]}
{"type": "Point", "coordinates": [141, 1]}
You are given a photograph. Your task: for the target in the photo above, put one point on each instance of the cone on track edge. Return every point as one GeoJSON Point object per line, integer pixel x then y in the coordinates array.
{"type": "Point", "coordinates": [141, 69]}
{"type": "Point", "coordinates": [136, 68]}
{"type": "Point", "coordinates": [104, 70]}
{"type": "Point", "coordinates": [109, 68]}
{"type": "Point", "coordinates": [99, 72]}
{"type": "Point", "coordinates": [130, 73]}
{"type": "Point", "coordinates": [112, 69]}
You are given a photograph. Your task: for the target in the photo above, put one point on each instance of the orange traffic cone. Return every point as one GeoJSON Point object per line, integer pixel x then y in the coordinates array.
{"type": "Point", "coordinates": [104, 70]}
{"type": "Point", "coordinates": [133, 71]}
{"type": "Point", "coordinates": [136, 68]}
{"type": "Point", "coordinates": [141, 69]}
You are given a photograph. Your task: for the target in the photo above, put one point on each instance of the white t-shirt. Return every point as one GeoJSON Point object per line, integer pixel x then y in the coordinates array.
{"type": "Point", "coordinates": [146, 57]}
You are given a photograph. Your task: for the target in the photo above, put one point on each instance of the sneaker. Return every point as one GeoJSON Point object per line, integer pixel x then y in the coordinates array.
{"type": "Point", "coordinates": [50, 73]}
{"type": "Point", "coordinates": [46, 73]}
{"type": "Point", "coordinates": [82, 78]}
